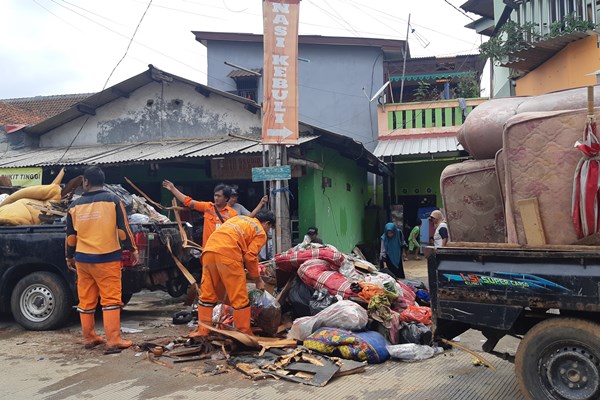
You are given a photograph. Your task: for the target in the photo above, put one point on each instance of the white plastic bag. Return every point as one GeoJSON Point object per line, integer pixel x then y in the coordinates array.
{"type": "Point", "coordinates": [410, 351]}
{"type": "Point", "coordinates": [344, 314]}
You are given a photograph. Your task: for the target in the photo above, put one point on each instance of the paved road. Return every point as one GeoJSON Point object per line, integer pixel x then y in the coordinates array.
{"type": "Point", "coordinates": [54, 365]}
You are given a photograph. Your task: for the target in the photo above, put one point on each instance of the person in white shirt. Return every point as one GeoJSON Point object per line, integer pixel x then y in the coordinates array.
{"type": "Point", "coordinates": [441, 235]}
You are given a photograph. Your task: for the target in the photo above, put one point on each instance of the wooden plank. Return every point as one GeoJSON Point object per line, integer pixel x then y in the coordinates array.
{"type": "Point", "coordinates": [439, 121]}
{"type": "Point", "coordinates": [532, 221]}
{"type": "Point", "coordinates": [419, 119]}
{"type": "Point", "coordinates": [515, 246]}
{"type": "Point", "coordinates": [448, 116]}
{"type": "Point", "coordinates": [399, 119]}
{"type": "Point", "coordinates": [409, 116]}
{"type": "Point", "coordinates": [428, 118]}
{"type": "Point", "coordinates": [458, 116]}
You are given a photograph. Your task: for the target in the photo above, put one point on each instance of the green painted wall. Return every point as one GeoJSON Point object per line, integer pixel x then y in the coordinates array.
{"type": "Point", "coordinates": [420, 178]}
{"type": "Point", "coordinates": [338, 212]}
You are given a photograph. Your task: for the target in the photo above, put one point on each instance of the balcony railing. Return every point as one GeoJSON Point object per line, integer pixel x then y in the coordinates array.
{"type": "Point", "coordinates": [444, 116]}
{"type": "Point", "coordinates": [550, 16]}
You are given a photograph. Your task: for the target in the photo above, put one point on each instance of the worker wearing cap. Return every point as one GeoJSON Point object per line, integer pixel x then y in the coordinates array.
{"type": "Point", "coordinates": [215, 214]}
{"type": "Point", "coordinates": [313, 234]}
{"type": "Point", "coordinates": [230, 249]}
{"type": "Point", "coordinates": [441, 235]}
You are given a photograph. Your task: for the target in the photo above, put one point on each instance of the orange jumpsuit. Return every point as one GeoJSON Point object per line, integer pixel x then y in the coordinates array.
{"type": "Point", "coordinates": [211, 219]}
{"type": "Point", "coordinates": [231, 247]}
{"type": "Point", "coordinates": [97, 229]}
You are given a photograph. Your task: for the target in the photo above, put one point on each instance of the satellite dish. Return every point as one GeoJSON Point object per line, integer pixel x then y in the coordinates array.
{"type": "Point", "coordinates": [381, 89]}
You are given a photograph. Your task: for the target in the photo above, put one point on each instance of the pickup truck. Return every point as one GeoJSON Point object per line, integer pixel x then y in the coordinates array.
{"type": "Point", "coordinates": [549, 297]}
{"type": "Point", "coordinates": [40, 291]}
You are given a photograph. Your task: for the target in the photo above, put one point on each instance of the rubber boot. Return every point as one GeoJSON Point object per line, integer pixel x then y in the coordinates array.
{"type": "Point", "coordinates": [204, 316]}
{"type": "Point", "coordinates": [112, 328]}
{"type": "Point", "coordinates": [90, 338]}
{"type": "Point", "coordinates": [241, 320]}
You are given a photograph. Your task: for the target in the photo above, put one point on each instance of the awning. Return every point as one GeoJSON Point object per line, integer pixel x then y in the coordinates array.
{"type": "Point", "coordinates": [133, 152]}
{"type": "Point", "coordinates": [415, 146]}
{"type": "Point", "coordinates": [432, 76]}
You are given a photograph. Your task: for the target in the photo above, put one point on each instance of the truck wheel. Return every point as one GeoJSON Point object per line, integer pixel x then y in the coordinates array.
{"type": "Point", "coordinates": [560, 359]}
{"type": "Point", "coordinates": [41, 301]}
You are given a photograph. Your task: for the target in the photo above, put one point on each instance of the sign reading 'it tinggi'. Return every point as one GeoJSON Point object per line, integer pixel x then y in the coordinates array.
{"type": "Point", "coordinates": [280, 99]}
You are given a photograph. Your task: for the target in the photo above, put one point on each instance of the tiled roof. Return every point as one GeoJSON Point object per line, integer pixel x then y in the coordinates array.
{"type": "Point", "coordinates": [47, 106]}
{"type": "Point", "coordinates": [11, 114]}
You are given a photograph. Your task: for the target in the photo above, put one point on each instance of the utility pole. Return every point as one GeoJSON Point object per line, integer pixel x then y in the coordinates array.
{"type": "Point", "coordinates": [404, 61]}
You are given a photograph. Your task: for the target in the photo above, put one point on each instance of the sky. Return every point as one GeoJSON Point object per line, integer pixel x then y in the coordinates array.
{"type": "Point", "coordinates": [51, 47]}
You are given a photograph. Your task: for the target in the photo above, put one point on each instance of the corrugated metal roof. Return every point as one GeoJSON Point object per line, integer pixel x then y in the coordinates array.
{"type": "Point", "coordinates": [240, 73]}
{"type": "Point", "coordinates": [413, 146]}
{"type": "Point", "coordinates": [133, 152]}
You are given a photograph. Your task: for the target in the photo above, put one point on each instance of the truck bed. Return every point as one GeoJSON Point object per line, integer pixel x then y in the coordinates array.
{"type": "Point", "coordinates": [498, 286]}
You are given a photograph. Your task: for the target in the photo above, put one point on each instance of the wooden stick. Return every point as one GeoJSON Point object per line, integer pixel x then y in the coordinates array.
{"type": "Point", "coordinates": [182, 267]}
{"type": "Point", "coordinates": [480, 358]}
{"type": "Point", "coordinates": [155, 204]}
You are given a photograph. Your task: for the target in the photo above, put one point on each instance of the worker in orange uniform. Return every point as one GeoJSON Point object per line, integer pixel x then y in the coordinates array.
{"type": "Point", "coordinates": [215, 213]}
{"type": "Point", "coordinates": [97, 229]}
{"type": "Point", "coordinates": [229, 249]}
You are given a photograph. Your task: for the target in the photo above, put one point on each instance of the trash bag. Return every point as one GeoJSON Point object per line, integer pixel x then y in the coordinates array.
{"type": "Point", "coordinates": [410, 351]}
{"type": "Point", "coordinates": [344, 314]}
{"type": "Point", "coordinates": [321, 299]}
{"type": "Point", "coordinates": [266, 311]}
{"type": "Point", "coordinates": [415, 332]}
{"type": "Point", "coordinates": [417, 314]}
{"type": "Point", "coordinates": [138, 218]}
{"type": "Point", "coordinates": [122, 194]}
{"type": "Point", "coordinates": [299, 297]}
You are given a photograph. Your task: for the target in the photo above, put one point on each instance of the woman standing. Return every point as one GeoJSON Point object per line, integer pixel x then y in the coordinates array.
{"type": "Point", "coordinates": [441, 235]}
{"type": "Point", "coordinates": [392, 243]}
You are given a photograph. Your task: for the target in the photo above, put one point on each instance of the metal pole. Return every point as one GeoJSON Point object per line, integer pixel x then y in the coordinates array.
{"type": "Point", "coordinates": [404, 62]}
{"type": "Point", "coordinates": [278, 213]}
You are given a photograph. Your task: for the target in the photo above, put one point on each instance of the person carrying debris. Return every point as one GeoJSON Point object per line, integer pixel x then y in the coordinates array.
{"type": "Point", "coordinates": [229, 249]}
{"type": "Point", "coordinates": [97, 229]}
{"type": "Point", "coordinates": [215, 213]}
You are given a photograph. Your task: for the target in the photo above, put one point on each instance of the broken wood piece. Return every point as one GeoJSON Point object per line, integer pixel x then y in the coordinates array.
{"type": "Point", "coordinates": [186, 243]}
{"type": "Point", "coordinates": [471, 352]}
{"type": "Point", "coordinates": [319, 375]}
{"type": "Point", "coordinates": [47, 209]}
{"type": "Point", "coordinates": [252, 371]}
{"type": "Point", "coordinates": [182, 268]}
{"type": "Point", "coordinates": [286, 289]}
{"type": "Point", "coordinates": [188, 359]}
{"type": "Point", "coordinates": [532, 221]}
{"type": "Point", "coordinates": [153, 359]}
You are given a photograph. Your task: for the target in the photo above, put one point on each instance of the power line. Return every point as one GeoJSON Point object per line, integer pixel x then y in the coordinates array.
{"type": "Point", "coordinates": [107, 79]}
{"type": "Point", "coordinates": [458, 9]}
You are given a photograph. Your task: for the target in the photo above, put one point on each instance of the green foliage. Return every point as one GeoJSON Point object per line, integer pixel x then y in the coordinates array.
{"type": "Point", "coordinates": [467, 87]}
{"type": "Point", "coordinates": [426, 92]}
{"type": "Point", "coordinates": [571, 23]}
{"type": "Point", "coordinates": [513, 37]}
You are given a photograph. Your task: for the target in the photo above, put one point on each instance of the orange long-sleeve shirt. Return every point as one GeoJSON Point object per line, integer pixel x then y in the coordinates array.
{"type": "Point", "coordinates": [211, 220]}
{"type": "Point", "coordinates": [240, 239]}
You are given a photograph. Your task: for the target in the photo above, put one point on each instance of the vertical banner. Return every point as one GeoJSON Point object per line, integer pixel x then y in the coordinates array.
{"type": "Point", "coordinates": [280, 77]}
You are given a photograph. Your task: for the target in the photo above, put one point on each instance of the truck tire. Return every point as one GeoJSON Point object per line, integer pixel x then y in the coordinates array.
{"type": "Point", "coordinates": [41, 301]}
{"type": "Point", "coordinates": [559, 359]}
